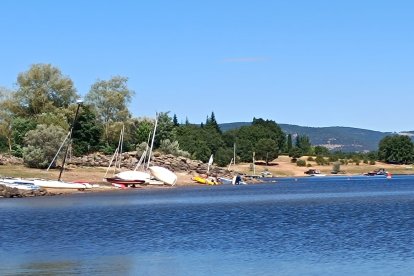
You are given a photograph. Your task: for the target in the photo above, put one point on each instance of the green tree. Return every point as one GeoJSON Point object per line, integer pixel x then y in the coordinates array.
{"type": "Point", "coordinates": [212, 123]}
{"type": "Point", "coordinates": [42, 89]}
{"type": "Point", "coordinates": [42, 145]}
{"type": "Point", "coordinates": [289, 143]}
{"type": "Point", "coordinates": [144, 128]}
{"type": "Point", "coordinates": [321, 150]}
{"type": "Point", "coordinates": [295, 153]}
{"type": "Point", "coordinates": [20, 126]}
{"type": "Point", "coordinates": [110, 98]}
{"type": "Point", "coordinates": [87, 132]}
{"type": "Point", "coordinates": [6, 118]}
{"type": "Point", "coordinates": [164, 130]}
{"type": "Point", "coordinates": [266, 149]}
{"type": "Point", "coordinates": [303, 142]}
{"type": "Point", "coordinates": [396, 149]}
{"type": "Point", "coordinates": [175, 121]}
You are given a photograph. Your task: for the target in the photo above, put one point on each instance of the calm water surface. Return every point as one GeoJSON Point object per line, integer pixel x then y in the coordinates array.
{"type": "Point", "coordinates": [310, 226]}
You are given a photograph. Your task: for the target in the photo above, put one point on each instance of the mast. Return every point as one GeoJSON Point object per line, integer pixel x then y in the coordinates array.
{"type": "Point", "coordinates": [79, 102]}
{"type": "Point", "coordinates": [152, 142]}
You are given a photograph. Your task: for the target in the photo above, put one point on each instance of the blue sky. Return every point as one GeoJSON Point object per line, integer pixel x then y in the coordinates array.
{"type": "Point", "coordinates": [310, 63]}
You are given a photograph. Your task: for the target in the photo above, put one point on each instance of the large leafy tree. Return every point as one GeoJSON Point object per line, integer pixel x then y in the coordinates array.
{"type": "Point", "coordinates": [42, 89]}
{"type": "Point", "coordinates": [266, 149]}
{"type": "Point", "coordinates": [110, 98]}
{"type": "Point", "coordinates": [87, 132]}
{"type": "Point", "coordinates": [248, 136]}
{"type": "Point", "coordinates": [6, 118]}
{"type": "Point", "coordinates": [396, 149]}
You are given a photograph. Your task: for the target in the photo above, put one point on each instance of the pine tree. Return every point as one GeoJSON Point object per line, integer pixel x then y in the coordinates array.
{"type": "Point", "coordinates": [175, 120]}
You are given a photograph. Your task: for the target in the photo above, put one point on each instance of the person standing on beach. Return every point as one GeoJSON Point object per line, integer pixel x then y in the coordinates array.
{"type": "Point", "coordinates": [238, 179]}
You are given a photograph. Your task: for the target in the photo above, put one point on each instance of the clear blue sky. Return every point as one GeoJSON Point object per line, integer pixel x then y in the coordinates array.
{"type": "Point", "coordinates": [311, 63]}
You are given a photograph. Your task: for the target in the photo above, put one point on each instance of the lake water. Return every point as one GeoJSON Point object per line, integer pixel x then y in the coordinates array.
{"type": "Point", "coordinates": [308, 226]}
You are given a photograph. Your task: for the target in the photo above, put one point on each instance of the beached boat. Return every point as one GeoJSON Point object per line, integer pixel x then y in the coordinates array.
{"type": "Point", "coordinates": [61, 185]}
{"type": "Point", "coordinates": [313, 172]}
{"type": "Point", "coordinates": [163, 174]}
{"type": "Point", "coordinates": [19, 183]}
{"type": "Point", "coordinates": [126, 182]}
{"type": "Point", "coordinates": [203, 180]}
{"type": "Point", "coordinates": [378, 172]}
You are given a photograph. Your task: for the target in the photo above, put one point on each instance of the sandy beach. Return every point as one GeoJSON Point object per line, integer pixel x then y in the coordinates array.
{"type": "Point", "coordinates": [284, 168]}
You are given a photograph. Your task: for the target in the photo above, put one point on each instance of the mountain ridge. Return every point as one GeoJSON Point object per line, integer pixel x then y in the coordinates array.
{"type": "Point", "coordinates": [335, 138]}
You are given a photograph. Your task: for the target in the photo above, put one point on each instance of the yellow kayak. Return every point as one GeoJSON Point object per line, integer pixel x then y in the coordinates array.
{"type": "Point", "coordinates": [203, 180]}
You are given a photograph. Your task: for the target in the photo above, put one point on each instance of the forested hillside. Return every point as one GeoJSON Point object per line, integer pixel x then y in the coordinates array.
{"type": "Point", "coordinates": [346, 139]}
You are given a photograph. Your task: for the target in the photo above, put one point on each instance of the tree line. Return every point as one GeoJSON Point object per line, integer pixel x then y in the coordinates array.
{"type": "Point", "coordinates": [36, 116]}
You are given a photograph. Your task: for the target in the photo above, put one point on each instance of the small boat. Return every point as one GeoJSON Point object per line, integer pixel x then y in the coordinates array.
{"type": "Point", "coordinates": [134, 175]}
{"type": "Point", "coordinates": [377, 172]}
{"type": "Point", "coordinates": [313, 172]}
{"type": "Point", "coordinates": [164, 175]}
{"type": "Point", "coordinates": [203, 180]}
{"type": "Point", "coordinates": [19, 183]}
{"type": "Point", "coordinates": [61, 185]}
{"type": "Point", "coordinates": [126, 182]}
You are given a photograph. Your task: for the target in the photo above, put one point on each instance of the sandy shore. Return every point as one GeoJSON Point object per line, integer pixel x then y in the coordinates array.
{"type": "Point", "coordinates": [284, 169]}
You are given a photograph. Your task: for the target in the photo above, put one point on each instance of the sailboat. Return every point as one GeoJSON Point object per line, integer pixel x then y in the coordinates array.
{"type": "Point", "coordinates": [126, 178]}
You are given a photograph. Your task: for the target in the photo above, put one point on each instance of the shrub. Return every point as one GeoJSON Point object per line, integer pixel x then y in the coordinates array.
{"type": "Point", "coordinates": [310, 158]}
{"type": "Point", "coordinates": [372, 162]}
{"type": "Point", "coordinates": [301, 163]}
{"type": "Point", "coordinates": [321, 161]}
{"type": "Point", "coordinates": [42, 145]}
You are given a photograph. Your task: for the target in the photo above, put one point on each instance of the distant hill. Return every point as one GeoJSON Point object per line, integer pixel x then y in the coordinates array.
{"type": "Point", "coordinates": [335, 138]}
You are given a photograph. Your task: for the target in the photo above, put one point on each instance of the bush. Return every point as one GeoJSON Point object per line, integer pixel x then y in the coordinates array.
{"type": "Point", "coordinates": [321, 161]}
{"type": "Point", "coordinates": [301, 163]}
{"type": "Point", "coordinates": [173, 148]}
{"type": "Point", "coordinates": [310, 158]}
{"type": "Point", "coordinates": [42, 145]}
{"type": "Point", "coordinates": [372, 162]}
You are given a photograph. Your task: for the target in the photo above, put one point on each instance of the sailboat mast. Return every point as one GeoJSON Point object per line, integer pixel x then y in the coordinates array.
{"type": "Point", "coordinates": [152, 142]}
{"type": "Point", "coordinates": [234, 153]}
{"type": "Point", "coordinates": [79, 102]}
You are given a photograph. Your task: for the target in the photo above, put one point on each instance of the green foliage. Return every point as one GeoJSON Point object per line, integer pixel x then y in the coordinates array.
{"type": "Point", "coordinates": [310, 158]}
{"type": "Point", "coordinates": [321, 161]}
{"type": "Point", "coordinates": [53, 119]}
{"type": "Point", "coordinates": [301, 163]}
{"type": "Point", "coordinates": [212, 123]}
{"type": "Point", "coordinates": [143, 130]}
{"type": "Point", "coordinates": [223, 156]}
{"type": "Point", "coordinates": [289, 144]}
{"type": "Point", "coordinates": [175, 121]}
{"type": "Point", "coordinates": [396, 149]}
{"type": "Point", "coordinates": [20, 126]}
{"type": "Point", "coordinates": [164, 129]}
{"type": "Point", "coordinates": [87, 132]}
{"type": "Point", "coordinates": [320, 150]}
{"type": "Point", "coordinates": [295, 153]}
{"type": "Point", "coordinates": [266, 149]}
{"type": "Point", "coordinates": [42, 89]}
{"type": "Point", "coordinates": [42, 145]}
{"type": "Point", "coordinates": [110, 98]}
{"type": "Point", "coordinates": [247, 138]}
{"type": "Point", "coordinates": [173, 148]}
{"type": "Point", "coordinates": [303, 142]}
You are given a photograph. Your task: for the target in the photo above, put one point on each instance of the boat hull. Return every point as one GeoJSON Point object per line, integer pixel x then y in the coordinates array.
{"type": "Point", "coordinates": [164, 175]}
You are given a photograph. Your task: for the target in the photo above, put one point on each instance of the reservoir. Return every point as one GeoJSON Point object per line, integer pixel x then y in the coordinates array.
{"type": "Point", "coordinates": [289, 226]}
